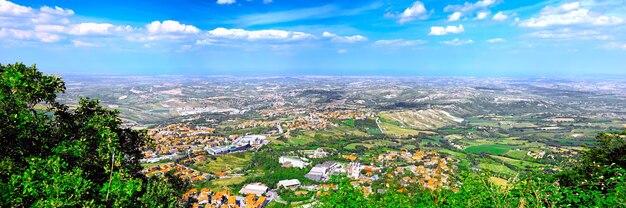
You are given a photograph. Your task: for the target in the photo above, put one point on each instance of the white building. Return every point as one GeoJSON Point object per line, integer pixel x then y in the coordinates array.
{"type": "Point", "coordinates": [354, 170]}
{"type": "Point", "coordinates": [289, 184]}
{"type": "Point", "coordinates": [254, 188]}
{"type": "Point", "coordinates": [248, 139]}
{"type": "Point", "coordinates": [318, 174]}
{"type": "Point", "coordinates": [319, 153]}
{"type": "Point", "coordinates": [293, 162]}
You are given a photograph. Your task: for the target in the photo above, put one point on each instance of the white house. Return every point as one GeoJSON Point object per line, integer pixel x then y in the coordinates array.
{"type": "Point", "coordinates": [289, 184]}
{"type": "Point", "coordinates": [318, 174]}
{"type": "Point", "coordinates": [293, 162]}
{"type": "Point", "coordinates": [254, 188]}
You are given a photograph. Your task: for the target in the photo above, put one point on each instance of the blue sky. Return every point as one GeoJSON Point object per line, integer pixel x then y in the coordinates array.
{"type": "Point", "coordinates": [321, 37]}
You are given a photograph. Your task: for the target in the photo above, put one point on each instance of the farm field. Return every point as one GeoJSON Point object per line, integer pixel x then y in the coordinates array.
{"type": "Point", "coordinates": [519, 163]}
{"type": "Point", "coordinates": [225, 163]}
{"type": "Point", "coordinates": [494, 149]}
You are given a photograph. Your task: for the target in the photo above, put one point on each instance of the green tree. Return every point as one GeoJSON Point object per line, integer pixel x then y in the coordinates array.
{"type": "Point", "coordinates": [54, 156]}
{"type": "Point", "coordinates": [346, 195]}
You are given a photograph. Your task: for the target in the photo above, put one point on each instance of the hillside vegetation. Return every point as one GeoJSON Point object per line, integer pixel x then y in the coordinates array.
{"type": "Point", "coordinates": [59, 157]}
{"type": "Point", "coordinates": [597, 180]}
{"type": "Point", "coordinates": [56, 156]}
{"type": "Point", "coordinates": [422, 119]}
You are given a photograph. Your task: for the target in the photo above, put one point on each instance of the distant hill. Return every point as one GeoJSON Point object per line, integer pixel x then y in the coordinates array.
{"type": "Point", "coordinates": [422, 119]}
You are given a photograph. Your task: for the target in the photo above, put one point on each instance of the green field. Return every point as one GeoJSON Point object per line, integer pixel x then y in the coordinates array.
{"type": "Point", "coordinates": [453, 153]}
{"type": "Point", "coordinates": [374, 131]}
{"type": "Point", "coordinates": [497, 168]}
{"type": "Point", "coordinates": [370, 144]}
{"type": "Point", "coordinates": [224, 163]}
{"type": "Point", "coordinates": [517, 154]}
{"type": "Point", "coordinates": [520, 164]}
{"type": "Point", "coordinates": [494, 149]}
{"type": "Point", "coordinates": [349, 122]}
{"type": "Point", "coordinates": [225, 183]}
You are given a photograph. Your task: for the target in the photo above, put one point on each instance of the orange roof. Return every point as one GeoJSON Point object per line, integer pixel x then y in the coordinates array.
{"type": "Point", "coordinates": [350, 157]}
{"type": "Point", "coordinates": [192, 191]}
{"type": "Point", "coordinates": [259, 202]}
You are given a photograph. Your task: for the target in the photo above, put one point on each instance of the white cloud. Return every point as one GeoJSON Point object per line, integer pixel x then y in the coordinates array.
{"type": "Point", "coordinates": [482, 15]}
{"type": "Point", "coordinates": [80, 43]}
{"type": "Point", "coordinates": [562, 8]}
{"type": "Point", "coordinates": [90, 28]}
{"type": "Point", "coordinates": [226, 1]}
{"type": "Point", "coordinates": [496, 40]}
{"type": "Point", "coordinates": [458, 42]}
{"type": "Point", "coordinates": [267, 1]}
{"type": "Point", "coordinates": [48, 24]}
{"type": "Point", "coordinates": [47, 37]}
{"type": "Point", "coordinates": [569, 34]}
{"type": "Point", "coordinates": [569, 14]}
{"type": "Point", "coordinates": [50, 28]}
{"type": "Point", "coordinates": [29, 35]}
{"type": "Point", "coordinates": [455, 16]}
{"type": "Point", "coordinates": [399, 42]}
{"type": "Point", "coordinates": [342, 51]}
{"type": "Point", "coordinates": [500, 16]}
{"type": "Point", "coordinates": [12, 9]}
{"type": "Point", "coordinates": [21, 24]}
{"type": "Point", "coordinates": [344, 39]}
{"type": "Point", "coordinates": [20, 34]}
{"type": "Point", "coordinates": [469, 7]}
{"type": "Point", "coordinates": [437, 31]}
{"type": "Point", "coordinates": [57, 11]}
{"type": "Point", "coordinates": [256, 35]}
{"type": "Point", "coordinates": [415, 11]}
{"type": "Point", "coordinates": [615, 45]}
{"type": "Point", "coordinates": [171, 26]}
{"type": "Point", "coordinates": [206, 42]}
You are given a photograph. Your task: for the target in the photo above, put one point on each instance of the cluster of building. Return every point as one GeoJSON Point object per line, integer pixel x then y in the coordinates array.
{"type": "Point", "coordinates": [180, 138]}
{"type": "Point", "coordinates": [322, 172]}
{"type": "Point", "coordinates": [209, 199]}
{"type": "Point", "coordinates": [303, 119]}
{"type": "Point", "coordinates": [428, 168]}
{"type": "Point", "coordinates": [177, 140]}
{"type": "Point", "coordinates": [180, 171]}
{"type": "Point", "coordinates": [241, 143]}
{"type": "Point", "coordinates": [551, 151]}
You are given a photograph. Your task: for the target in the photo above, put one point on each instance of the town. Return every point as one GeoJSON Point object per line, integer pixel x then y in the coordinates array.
{"type": "Point", "coordinates": [287, 143]}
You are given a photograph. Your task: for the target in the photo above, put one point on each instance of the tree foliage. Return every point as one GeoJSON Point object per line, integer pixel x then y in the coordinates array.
{"type": "Point", "coordinates": [54, 156]}
{"type": "Point", "coordinates": [597, 180]}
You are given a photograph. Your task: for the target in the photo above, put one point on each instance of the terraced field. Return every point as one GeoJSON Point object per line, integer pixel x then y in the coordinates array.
{"type": "Point", "coordinates": [397, 131]}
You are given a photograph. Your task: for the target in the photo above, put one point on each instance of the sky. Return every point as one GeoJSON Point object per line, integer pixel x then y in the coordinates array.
{"type": "Point", "coordinates": [320, 37]}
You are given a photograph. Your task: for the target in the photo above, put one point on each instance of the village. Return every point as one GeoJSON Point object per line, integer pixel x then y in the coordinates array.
{"type": "Point", "coordinates": [177, 146]}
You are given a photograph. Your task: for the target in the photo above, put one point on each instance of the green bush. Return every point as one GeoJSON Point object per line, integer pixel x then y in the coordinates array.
{"type": "Point", "coordinates": [61, 157]}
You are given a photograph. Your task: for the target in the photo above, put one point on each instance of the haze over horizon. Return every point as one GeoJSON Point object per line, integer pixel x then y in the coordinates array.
{"type": "Point", "coordinates": [266, 38]}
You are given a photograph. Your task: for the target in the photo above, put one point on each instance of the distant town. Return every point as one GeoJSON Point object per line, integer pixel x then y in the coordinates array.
{"type": "Point", "coordinates": [260, 142]}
